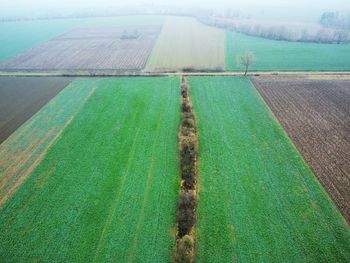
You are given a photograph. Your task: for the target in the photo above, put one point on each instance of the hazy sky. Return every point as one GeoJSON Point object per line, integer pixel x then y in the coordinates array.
{"type": "Point", "coordinates": [334, 4]}
{"type": "Point", "coordinates": [36, 6]}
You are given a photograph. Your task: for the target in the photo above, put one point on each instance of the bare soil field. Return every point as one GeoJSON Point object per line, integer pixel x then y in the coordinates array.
{"type": "Point", "coordinates": [21, 97]}
{"type": "Point", "coordinates": [92, 48]}
{"type": "Point", "coordinates": [316, 115]}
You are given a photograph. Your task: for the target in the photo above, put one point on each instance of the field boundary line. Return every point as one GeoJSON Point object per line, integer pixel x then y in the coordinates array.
{"type": "Point", "coordinates": [188, 197]}
{"type": "Point", "coordinates": [145, 73]}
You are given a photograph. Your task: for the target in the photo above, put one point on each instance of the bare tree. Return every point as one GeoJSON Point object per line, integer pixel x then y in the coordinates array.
{"type": "Point", "coordinates": [246, 60]}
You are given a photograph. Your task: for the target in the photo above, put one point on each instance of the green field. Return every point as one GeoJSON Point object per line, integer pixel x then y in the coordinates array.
{"type": "Point", "coordinates": [106, 190]}
{"type": "Point", "coordinates": [19, 36]}
{"type": "Point", "coordinates": [273, 55]}
{"type": "Point", "coordinates": [258, 200]}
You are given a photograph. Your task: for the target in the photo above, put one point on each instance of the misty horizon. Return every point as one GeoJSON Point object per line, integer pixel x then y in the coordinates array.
{"type": "Point", "coordinates": [268, 10]}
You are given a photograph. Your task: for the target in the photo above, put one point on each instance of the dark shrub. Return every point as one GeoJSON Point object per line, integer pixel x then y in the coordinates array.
{"type": "Point", "coordinates": [189, 69]}
{"type": "Point", "coordinates": [188, 174]}
{"type": "Point", "coordinates": [187, 122]}
{"type": "Point", "coordinates": [185, 215]}
{"type": "Point", "coordinates": [188, 153]}
{"type": "Point", "coordinates": [187, 200]}
{"type": "Point", "coordinates": [188, 147]}
{"type": "Point", "coordinates": [188, 115]}
{"type": "Point", "coordinates": [186, 106]}
{"type": "Point", "coordinates": [184, 93]}
{"type": "Point", "coordinates": [187, 131]}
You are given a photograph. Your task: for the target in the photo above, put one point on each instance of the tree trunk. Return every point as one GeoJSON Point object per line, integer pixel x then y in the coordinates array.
{"type": "Point", "coordinates": [246, 70]}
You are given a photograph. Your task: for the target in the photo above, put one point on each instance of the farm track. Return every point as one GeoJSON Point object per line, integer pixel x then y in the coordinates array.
{"type": "Point", "coordinates": [118, 73]}
{"type": "Point", "coordinates": [316, 115]}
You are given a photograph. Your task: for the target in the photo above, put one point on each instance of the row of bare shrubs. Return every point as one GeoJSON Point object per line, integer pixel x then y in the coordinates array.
{"type": "Point", "coordinates": [281, 31]}
{"type": "Point", "coordinates": [187, 203]}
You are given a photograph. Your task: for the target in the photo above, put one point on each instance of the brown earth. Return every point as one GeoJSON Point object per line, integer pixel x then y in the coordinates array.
{"type": "Point", "coordinates": [22, 97]}
{"type": "Point", "coordinates": [92, 49]}
{"type": "Point", "coordinates": [316, 115]}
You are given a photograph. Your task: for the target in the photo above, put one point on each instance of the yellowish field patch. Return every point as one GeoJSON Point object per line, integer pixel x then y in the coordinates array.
{"type": "Point", "coordinates": [186, 43]}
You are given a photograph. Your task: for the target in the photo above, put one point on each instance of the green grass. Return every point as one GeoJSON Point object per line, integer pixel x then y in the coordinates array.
{"type": "Point", "coordinates": [106, 191]}
{"type": "Point", "coordinates": [272, 55]}
{"type": "Point", "coordinates": [258, 200]}
{"type": "Point", "coordinates": [19, 36]}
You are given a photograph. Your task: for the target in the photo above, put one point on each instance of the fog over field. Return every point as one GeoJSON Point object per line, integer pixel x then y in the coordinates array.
{"type": "Point", "coordinates": [179, 131]}
{"type": "Point", "coordinates": [298, 10]}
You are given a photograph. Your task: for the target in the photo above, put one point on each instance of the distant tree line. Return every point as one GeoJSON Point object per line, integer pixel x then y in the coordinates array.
{"type": "Point", "coordinates": [335, 19]}
{"type": "Point", "coordinates": [281, 31]}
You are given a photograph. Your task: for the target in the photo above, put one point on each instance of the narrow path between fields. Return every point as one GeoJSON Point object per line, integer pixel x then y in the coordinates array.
{"type": "Point", "coordinates": [85, 74]}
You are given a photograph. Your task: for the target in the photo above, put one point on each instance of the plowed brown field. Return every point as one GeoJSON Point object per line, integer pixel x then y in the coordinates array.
{"type": "Point", "coordinates": [22, 97]}
{"type": "Point", "coordinates": [316, 115]}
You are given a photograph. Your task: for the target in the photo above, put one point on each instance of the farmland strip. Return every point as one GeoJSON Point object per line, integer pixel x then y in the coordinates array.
{"type": "Point", "coordinates": [22, 152]}
{"type": "Point", "coordinates": [150, 173]}
{"type": "Point", "coordinates": [91, 49]}
{"type": "Point", "coordinates": [259, 201]}
{"type": "Point", "coordinates": [187, 203]}
{"type": "Point", "coordinates": [117, 197]}
{"type": "Point", "coordinates": [316, 116]}
{"type": "Point", "coordinates": [186, 44]}
{"type": "Point", "coordinates": [31, 168]}
{"type": "Point", "coordinates": [103, 177]}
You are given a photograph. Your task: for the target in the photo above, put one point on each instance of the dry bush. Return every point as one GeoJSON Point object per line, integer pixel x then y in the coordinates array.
{"type": "Point", "coordinates": [188, 153]}
{"type": "Point", "coordinates": [184, 250]}
{"type": "Point", "coordinates": [188, 123]}
{"type": "Point", "coordinates": [189, 176]}
{"type": "Point", "coordinates": [187, 203]}
{"type": "Point", "coordinates": [188, 115]}
{"type": "Point", "coordinates": [188, 200]}
{"type": "Point", "coordinates": [187, 132]}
